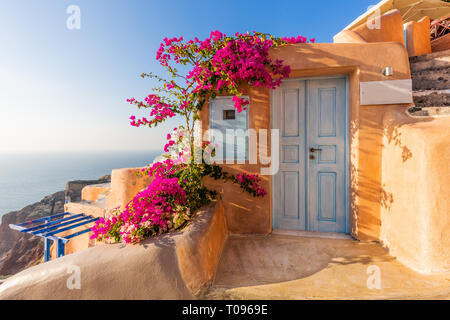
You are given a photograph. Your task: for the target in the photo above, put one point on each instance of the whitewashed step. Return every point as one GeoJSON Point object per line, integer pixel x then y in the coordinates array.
{"type": "Point", "coordinates": [432, 61]}
{"type": "Point", "coordinates": [94, 209]}
{"type": "Point", "coordinates": [95, 192]}
{"type": "Point", "coordinates": [431, 79]}
{"type": "Point", "coordinates": [432, 98]}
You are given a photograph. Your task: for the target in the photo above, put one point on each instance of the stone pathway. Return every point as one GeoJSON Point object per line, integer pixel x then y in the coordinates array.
{"type": "Point", "coordinates": [430, 75]}
{"type": "Point", "coordinates": [288, 267]}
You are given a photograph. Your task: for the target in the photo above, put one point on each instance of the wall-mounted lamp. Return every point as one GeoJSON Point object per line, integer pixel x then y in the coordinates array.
{"type": "Point", "coordinates": [387, 72]}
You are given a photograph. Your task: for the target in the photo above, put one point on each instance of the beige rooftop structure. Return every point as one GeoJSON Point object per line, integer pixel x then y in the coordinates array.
{"type": "Point", "coordinates": [411, 10]}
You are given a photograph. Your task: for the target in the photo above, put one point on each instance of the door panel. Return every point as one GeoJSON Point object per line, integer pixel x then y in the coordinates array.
{"type": "Point", "coordinates": [289, 182]}
{"type": "Point", "coordinates": [290, 187]}
{"type": "Point", "coordinates": [310, 194]}
{"type": "Point", "coordinates": [326, 173]}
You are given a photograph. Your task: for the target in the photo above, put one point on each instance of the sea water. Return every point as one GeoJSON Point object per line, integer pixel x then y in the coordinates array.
{"type": "Point", "coordinates": [27, 178]}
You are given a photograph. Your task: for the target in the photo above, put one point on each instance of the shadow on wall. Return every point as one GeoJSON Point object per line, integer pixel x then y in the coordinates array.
{"type": "Point", "coordinates": [373, 194]}
{"type": "Point", "coordinates": [393, 136]}
{"type": "Point", "coordinates": [371, 59]}
{"type": "Point", "coordinates": [368, 177]}
{"type": "Point", "coordinates": [244, 213]}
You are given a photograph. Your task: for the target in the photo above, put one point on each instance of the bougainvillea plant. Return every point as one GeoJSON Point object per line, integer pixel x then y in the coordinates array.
{"type": "Point", "coordinates": [218, 64]}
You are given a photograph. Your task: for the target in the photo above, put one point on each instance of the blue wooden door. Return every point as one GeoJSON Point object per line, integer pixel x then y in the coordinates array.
{"type": "Point", "coordinates": [309, 190]}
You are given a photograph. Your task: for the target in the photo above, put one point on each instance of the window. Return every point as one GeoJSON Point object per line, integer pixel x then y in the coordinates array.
{"type": "Point", "coordinates": [228, 129]}
{"type": "Point", "coordinates": [229, 114]}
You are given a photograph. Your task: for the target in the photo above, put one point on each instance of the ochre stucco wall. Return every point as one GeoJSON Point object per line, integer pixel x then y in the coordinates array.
{"type": "Point", "coordinates": [416, 197]}
{"type": "Point", "coordinates": [360, 62]}
{"type": "Point", "coordinates": [125, 184]}
{"type": "Point", "coordinates": [94, 192]}
{"type": "Point", "coordinates": [390, 29]}
{"type": "Point", "coordinates": [177, 265]}
{"type": "Point", "coordinates": [418, 37]}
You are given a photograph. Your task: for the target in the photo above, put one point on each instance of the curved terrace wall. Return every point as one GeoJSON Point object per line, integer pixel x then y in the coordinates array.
{"type": "Point", "coordinates": [171, 266]}
{"type": "Point", "coordinates": [125, 184]}
{"type": "Point", "coordinates": [416, 198]}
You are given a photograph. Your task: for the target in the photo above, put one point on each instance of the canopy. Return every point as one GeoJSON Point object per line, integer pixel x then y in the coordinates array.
{"type": "Point", "coordinates": [411, 10]}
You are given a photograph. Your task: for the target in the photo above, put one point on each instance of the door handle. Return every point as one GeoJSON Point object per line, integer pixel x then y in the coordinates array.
{"type": "Point", "coordinates": [314, 150]}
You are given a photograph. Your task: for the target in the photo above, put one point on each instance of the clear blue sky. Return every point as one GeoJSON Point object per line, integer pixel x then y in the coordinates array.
{"type": "Point", "coordinates": [64, 89]}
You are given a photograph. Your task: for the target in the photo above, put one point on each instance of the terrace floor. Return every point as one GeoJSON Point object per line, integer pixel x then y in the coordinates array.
{"type": "Point", "coordinates": [292, 267]}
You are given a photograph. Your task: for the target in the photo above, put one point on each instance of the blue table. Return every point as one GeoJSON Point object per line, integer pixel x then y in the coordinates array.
{"type": "Point", "coordinates": [49, 227]}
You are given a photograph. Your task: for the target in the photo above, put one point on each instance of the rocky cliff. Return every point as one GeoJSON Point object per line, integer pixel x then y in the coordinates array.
{"type": "Point", "coordinates": [19, 251]}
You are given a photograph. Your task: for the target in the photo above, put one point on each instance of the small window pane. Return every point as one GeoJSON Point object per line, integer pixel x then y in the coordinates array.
{"type": "Point", "coordinates": [229, 114]}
